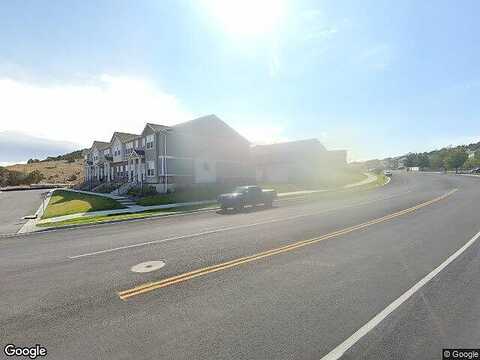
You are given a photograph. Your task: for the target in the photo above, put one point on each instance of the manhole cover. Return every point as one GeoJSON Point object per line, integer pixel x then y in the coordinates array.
{"type": "Point", "coordinates": [148, 266]}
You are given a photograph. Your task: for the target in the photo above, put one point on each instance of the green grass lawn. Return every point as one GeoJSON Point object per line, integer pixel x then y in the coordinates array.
{"type": "Point", "coordinates": [282, 188]}
{"type": "Point", "coordinates": [325, 180]}
{"type": "Point", "coordinates": [119, 217]}
{"type": "Point", "coordinates": [381, 180]}
{"type": "Point", "coordinates": [340, 178]}
{"type": "Point", "coordinates": [198, 193]}
{"type": "Point", "coordinates": [328, 180]}
{"type": "Point", "coordinates": [68, 202]}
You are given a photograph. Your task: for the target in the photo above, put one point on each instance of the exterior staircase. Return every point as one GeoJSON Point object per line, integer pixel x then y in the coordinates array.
{"type": "Point", "coordinates": [125, 201]}
{"type": "Point", "coordinates": [122, 189]}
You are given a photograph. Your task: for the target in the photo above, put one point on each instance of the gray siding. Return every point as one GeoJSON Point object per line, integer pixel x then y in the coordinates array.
{"type": "Point", "coordinates": [151, 155]}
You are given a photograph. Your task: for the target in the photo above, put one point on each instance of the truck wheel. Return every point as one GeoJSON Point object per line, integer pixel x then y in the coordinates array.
{"type": "Point", "coordinates": [223, 208]}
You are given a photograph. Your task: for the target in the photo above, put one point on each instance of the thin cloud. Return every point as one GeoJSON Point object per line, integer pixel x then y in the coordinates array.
{"type": "Point", "coordinates": [80, 113]}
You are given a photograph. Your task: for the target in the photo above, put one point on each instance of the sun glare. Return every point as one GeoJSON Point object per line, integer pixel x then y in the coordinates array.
{"type": "Point", "coordinates": [247, 17]}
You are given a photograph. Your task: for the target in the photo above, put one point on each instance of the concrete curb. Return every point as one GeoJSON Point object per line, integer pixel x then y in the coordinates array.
{"type": "Point", "coordinates": [282, 196]}
{"type": "Point", "coordinates": [370, 178]}
{"type": "Point", "coordinates": [31, 225]}
{"type": "Point", "coordinates": [129, 210]}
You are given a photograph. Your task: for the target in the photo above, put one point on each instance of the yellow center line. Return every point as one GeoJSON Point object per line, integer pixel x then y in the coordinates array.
{"type": "Point", "coordinates": [243, 260]}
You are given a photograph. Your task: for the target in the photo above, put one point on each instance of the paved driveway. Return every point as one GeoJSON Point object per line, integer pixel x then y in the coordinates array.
{"type": "Point", "coordinates": [16, 204]}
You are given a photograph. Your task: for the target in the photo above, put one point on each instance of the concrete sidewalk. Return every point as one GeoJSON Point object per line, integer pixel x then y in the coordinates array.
{"type": "Point", "coordinates": [370, 178]}
{"type": "Point", "coordinates": [31, 224]}
{"type": "Point", "coordinates": [114, 197]}
{"type": "Point", "coordinates": [137, 208]}
{"type": "Point", "coordinates": [128, 210]}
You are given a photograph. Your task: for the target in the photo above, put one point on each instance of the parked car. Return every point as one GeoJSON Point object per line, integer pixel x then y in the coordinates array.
{"type": "Point", "coordinates": [247, 195]}
{"type": "Point", "coordinates": [475, 171]}
{"type": "Point", "coordinates": [387, 173]}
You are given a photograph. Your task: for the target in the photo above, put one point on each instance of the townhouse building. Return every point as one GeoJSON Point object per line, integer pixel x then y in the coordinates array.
{"type": "Point", "coordinates": [298, 161]}
{"type": "Point", "coordinates": [203, 150]}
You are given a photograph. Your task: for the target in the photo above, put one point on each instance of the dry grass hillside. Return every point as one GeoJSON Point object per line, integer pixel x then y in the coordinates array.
{"type": "Point", "coordinates": [55, 171]}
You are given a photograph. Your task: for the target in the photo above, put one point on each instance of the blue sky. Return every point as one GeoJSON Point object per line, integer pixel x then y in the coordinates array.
{"type": "Point", "coordinates": [378, 78]}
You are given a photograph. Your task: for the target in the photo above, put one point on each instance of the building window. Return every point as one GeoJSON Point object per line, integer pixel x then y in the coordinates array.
{"type": "Point", "coordinates": [150, 168]}
{"type": "Point", "coordinates": [143, 142]}
{"type": "Point", "coordinates": [129, 147]}
{"type": "Point", "coordinates": [150, 140]}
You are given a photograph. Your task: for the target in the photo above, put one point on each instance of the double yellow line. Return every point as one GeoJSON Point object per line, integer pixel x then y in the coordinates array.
{"type": "Point", "coordinates": [145, 288]}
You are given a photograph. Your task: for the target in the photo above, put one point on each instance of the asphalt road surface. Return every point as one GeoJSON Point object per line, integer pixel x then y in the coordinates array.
{"type": "Point", "coordinates": [14, 205]}
{"type": "Point", "coordinates": [248, 285]}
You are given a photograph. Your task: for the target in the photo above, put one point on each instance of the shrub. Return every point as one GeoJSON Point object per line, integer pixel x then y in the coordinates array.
{"type": "Point", "coordinates": [142, 191]}
{"type": "Point", "coordinates": [34, 177]}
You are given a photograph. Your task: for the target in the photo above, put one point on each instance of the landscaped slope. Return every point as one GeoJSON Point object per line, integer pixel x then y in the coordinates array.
{"type": "Point", "coordinates": [68, 202]}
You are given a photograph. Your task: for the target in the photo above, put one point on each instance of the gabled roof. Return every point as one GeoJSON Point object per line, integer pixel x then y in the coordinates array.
{"type": "Point", "coordinates": [157, 127]}
{"type": "Point", "coordinates": [209, 126]}
{"type": "Point", "coordinates": [298, 146]}
{"type": "Point", "coordinates": [100, 145]}
{"type": "Point", "coordinates": [124, 137]}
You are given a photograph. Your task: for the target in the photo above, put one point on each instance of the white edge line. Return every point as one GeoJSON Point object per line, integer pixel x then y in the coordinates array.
{"type": "Point", "coordinates": [208, 232]}
{"type": "Point", "coordinates": [365, 329]}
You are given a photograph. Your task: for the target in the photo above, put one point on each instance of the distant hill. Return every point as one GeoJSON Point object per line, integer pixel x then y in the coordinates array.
{"type": "Point", "coordinates": [469, 147]}
{"type": "Point", "coordinates": [18, 147]}
{"type": "Point", "coordinates": [66, 168]}
{"type": "Point", "coordinates": [54, 171]}
{"type": "Point", "coordinates": [70, 157]}
{"type": "Point", "coordinates": [450, 157]}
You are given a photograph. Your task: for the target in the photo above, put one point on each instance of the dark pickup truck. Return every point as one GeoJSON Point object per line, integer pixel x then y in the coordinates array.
{"type": "Point", "coordinates": [247, 195]}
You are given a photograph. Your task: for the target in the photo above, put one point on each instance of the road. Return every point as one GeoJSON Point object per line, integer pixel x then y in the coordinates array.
{"type": "Point", "coordinates": [245, 286]}
{"type": "Point", "coordinates": [14, 205]}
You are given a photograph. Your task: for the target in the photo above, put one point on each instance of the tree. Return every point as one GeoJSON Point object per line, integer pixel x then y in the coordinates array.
{"type": "Point", "coordinates": [411, 160]}
{"type": "Point", "coordinates": [4, 175]}
{"type": "Point", "coordinates": [423, 161]}
{"type": "Point", "coordinates": [471, 163]}
{"type": "Point", "coordinates": [456, 158]}
{"type": "Point", "coordinates": [437, 161]}
{"type": "Point", "coordinates": [34, 177]}
{"type": "Point", "coordinates": [395, 163]}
